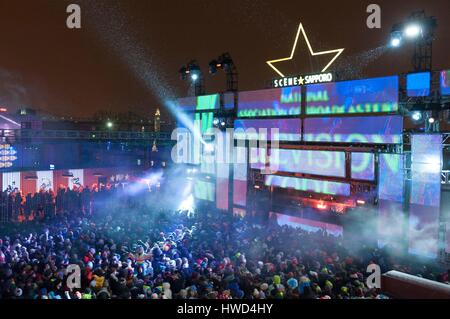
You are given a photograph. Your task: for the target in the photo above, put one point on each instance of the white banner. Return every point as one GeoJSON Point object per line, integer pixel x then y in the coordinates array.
{"type": "Point", "coordinates": [77, 179]}
{"type": "Point", "coordinates": [44, 180]}
{"type": "Point", "coordinates": [11, 180]}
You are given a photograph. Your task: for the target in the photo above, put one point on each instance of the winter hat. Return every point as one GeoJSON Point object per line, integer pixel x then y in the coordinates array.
{"type": "Point", "coordinates": [18, 292]}
{"type": "Point", "coordinates": [166, 290]}
{"type": "Point", "coordinates": [183, 293]}
{"type": "Point", "coordinates": [276, 279]}
{"type": "Point", "coordinates": [292, 283]}
{"type": "Point", "coordinates": [313, 274]}
{"type": "Point", "coordinates": [344, 290]}
{"type": "Point", "coordinates": [304, 279]}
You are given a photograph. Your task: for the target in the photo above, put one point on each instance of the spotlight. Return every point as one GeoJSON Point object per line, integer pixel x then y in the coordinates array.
{"type": "Point", "coordinates": [419, 30]}
{"type": "Point", "coordinates": [395, 42]}
{"type": "Point", "coordinates": [416, 116]}
{"type": "Point", "coordinates": [225, 62]}
{"type": "Point", "coordinates": [193, 69]}
{"type": "Point", "coordinates": [223, 123]}
{"type": "Point", "coordinates": [216, 121]}
{"type": "Point", "coordinates": [396, 39]}
{"type": "Point", "coordinates": [412, 30]}
{"type": "Point", "coordinates": [431, 120]}
{"type": "Point", "coordinates": [109, 124]}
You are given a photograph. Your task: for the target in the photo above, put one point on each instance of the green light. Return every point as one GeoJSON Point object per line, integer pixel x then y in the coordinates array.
{"type": "Point", "coordinates": [207, 102]}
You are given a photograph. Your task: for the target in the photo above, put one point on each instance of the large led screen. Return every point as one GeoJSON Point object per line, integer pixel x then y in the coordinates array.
{"type": "Point", "coordinates": [198, 103]}
{"type": "Point", "coordinates": [445, 82]}
{"type": "Point", "coordinates": [270, 102]}
{"type": "Point", "coordinates": [187, 103]}
{"type": "Point", "coordinates": [222, 173]}
{"type": "Point", "coordinates": [324, 163]}
{"type": "Point", "coordinates": [8, 155]}
{"type": "Point", "coordinates": [363, 166]}
{"type": "Point", "coordinates": [273, 129]}
{"type": "Point", "coordinates": [258, 158]}
{"type": "Point", "coordinates": [228, 100]}
{"type": "Point", "coordinates": [427, 149]}
{"type": "Point", "coordinates": [207, 165]}
{"type": "Point", "coordinates": [418, 84]}
{"type": "Point", "coordinates": [204, 121]}
{"type": "Point", "coordinates": [240, 177]}
{"type": "Point", "coordinates": [390, 180]}
{"type": "Point", "coordinates": [308, 185]}
{"type": "Point", "coordinates": [222, 184]}
{"type": "Point", "coordinates": [204, 190]}
{"type": "Point", "coordinates": [352, 97]}
{"type": "Point", "coordinates": [426, 164]}
{"type": "Point", "coordinates": [365, 130]}
{"type": "Point", "coordinates": [390, 199]}
{"type": "Point", "coordinates": [189, 146]}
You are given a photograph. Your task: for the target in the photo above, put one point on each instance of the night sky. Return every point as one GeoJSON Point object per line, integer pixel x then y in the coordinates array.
{"type": "Point", "coordinates": [127, 55]}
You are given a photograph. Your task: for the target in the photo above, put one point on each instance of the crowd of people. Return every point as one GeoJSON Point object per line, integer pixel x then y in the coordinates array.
{"type": "Point", "coordinates": [127, 247]}
{"type": "Point", "coordinates": [46, 204]}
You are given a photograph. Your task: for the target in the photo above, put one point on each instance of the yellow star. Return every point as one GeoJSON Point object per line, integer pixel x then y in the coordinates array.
{"type": "Point", "coordinates": [302, 30]}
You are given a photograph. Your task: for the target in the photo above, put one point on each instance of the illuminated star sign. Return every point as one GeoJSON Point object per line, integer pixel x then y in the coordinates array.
{"type": "Point", "coordinates": [302, 31]}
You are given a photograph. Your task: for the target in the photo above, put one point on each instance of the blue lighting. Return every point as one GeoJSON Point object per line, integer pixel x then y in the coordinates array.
{"type": "Point", "coordinates": [418, 84]}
